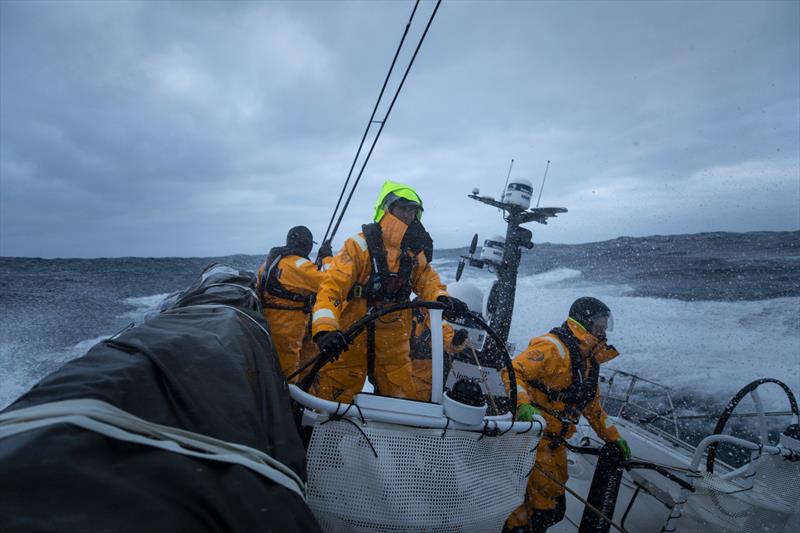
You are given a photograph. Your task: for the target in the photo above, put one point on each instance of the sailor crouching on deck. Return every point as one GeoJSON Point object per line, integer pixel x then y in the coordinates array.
{"type": "Point", "coordinates": [381, 266]}
{"type": "Point", "coordinates": [558, 373]}
{"type": "Point", "coordinates": [287, 284]}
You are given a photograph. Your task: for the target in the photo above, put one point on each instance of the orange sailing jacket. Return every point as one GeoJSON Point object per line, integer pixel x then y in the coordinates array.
{"type": "Point", "coordinates": [288, 319]}
{"type": "Point", "coordinates": [544, 373]}
{"type": "Point", "coordinates": [352, 266]}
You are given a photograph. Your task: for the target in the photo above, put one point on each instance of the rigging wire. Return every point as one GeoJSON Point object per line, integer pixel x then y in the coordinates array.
{"type": "Point", "coordinates": [383, 123]}
{"type": "Point", "coordinates": [371, 120]}
{"type": "Point", "coordinates": [543, 180]}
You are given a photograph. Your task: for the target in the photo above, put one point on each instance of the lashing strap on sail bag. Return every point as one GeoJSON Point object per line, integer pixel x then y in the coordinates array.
{"type": "Point", "coordinates": [112, 422]}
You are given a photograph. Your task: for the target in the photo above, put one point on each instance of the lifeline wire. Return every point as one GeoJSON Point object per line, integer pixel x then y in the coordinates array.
{"type": "Point", "coordinates": [383, 122]}
{"type": "Point", "coordinates": [370, 121]}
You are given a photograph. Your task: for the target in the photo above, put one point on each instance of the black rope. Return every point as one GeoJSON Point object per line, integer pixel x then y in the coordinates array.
{"type": "Point", "coordinates": [371, 447]}
{"type": "Point", "coordinates": [446, 426]}
{"type": "Point", "coordinates": [319, 360]}
{"type": "Point", "coordinates": [510, 427]}
{"type": "Point", "coordinates": [383, 122]}
{"type": "Point", "coordinates": [483, 431]}
{"type": "Point", "coordinates": [370, 121]}
{"type": "Point", "coordinates": [336, 417]}
{"type": "Point", "coordinates": [533, 450]}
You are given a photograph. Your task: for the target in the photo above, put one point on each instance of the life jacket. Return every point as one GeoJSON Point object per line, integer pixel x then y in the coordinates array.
{"type": "Point", "coordinates": [270, 283]}
{"type": "Point", "coordinates": [579, 393]}
{"type": "Point", "coordinates": [384, 286]}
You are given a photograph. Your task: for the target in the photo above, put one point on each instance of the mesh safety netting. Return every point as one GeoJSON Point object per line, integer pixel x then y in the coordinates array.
{"type": "Point", "coordinates": [421, 479]}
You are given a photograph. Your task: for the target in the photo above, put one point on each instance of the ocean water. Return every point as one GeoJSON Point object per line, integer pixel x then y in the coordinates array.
{"type": "Point", "coordinates": [701, 314]}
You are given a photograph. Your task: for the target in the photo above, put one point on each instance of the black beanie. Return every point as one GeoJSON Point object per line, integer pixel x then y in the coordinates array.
{"type": "Point", "coordinates": [300, 240]}
{"type": "Point", "coordinates": [586, 309]}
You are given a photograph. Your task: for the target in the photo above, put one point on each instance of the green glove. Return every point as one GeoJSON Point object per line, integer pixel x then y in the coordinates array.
{"type": "Point", "coordinates": [622, 444]}
{"type": "Point", "coordinates": [525, 412]}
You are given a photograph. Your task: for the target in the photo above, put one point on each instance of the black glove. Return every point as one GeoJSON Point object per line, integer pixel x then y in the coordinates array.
{"type": "Point", "coordinates": [454, 308]}
{"type": "Point", "coordinates": [325, 250]}
{"type": "Point", "coordinates": [331, 344]}
{"type": "Point", "coordinates": [459, 337]}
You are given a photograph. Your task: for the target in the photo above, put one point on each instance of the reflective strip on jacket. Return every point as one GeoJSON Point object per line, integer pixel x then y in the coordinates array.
{"type": "Point", "coordinates": [547, 360]}
{"type": "Point", "coordinates": [352, 265]}
{"type": "Point", "coordinates": [392, 371]}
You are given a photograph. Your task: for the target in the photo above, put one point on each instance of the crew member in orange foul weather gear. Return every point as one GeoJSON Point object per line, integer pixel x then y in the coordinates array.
{"type": "Point", "coordinates": [558, 373]}
{"type": "Point", "coordinates": [381, 266]}
{"type": "Point", "coordinates": [287, 283]}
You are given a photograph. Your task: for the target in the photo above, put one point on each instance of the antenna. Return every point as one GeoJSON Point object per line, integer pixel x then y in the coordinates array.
{"type": "Point", "coordinates": [508, 176]}
{"type": "Point", "coordinates": [543, 180]}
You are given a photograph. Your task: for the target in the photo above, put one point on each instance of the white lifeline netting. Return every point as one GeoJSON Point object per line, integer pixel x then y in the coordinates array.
{"type": "Point", "coordinates": [420, 481]}
{"type": "Point", "coordinates": [772, 504]}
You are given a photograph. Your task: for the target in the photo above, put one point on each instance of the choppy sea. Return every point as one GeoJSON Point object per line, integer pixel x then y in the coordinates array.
{"type": "Point", "coordinates": [702, 314]}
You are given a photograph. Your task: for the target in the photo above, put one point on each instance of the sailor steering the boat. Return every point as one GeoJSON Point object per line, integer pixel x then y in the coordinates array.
{"type": "Point", "coordinates": [558, 373]}
{"type": "Point", "coordinates": [380, 266]}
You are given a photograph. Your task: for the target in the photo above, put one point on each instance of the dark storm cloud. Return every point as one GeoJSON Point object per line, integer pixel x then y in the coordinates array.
{"type": "Point", "coordinates": [204, 128]}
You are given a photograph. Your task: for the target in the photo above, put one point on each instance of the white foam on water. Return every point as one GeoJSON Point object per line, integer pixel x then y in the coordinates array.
{"type": "Point", "coordinates": [144, 306]}
{"type": "Point", "coordinates": [20, 374]}
{"type": "Point", "coordinates": [707, 350]}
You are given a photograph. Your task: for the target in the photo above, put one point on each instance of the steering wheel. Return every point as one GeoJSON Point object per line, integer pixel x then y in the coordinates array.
{"type": "Point", "coordinates": [470, 318]}
{"type": "Point", "coordinates": [728, 411]}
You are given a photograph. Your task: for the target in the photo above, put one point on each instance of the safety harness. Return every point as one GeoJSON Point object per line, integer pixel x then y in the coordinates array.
{"type": "Point", "coordinates": [578, 394]}
{"type": "Point", "coordinates": [384, 286]}
{"type": "Point", "coordinates": [270, 283]}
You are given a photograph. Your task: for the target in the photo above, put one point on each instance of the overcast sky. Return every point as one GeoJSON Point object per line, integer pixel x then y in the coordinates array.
{"type": "Point", "coordinates": [204, 128]}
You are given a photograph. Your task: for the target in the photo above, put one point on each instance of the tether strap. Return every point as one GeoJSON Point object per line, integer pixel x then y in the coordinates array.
{"type": "Point", "coordinates": [105, 419]}
{"type": "Point", "coordinates": [285, 307]}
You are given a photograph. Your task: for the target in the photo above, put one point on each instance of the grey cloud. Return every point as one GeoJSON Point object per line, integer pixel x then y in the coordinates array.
{"type": "Point", "coordinates": [163, 128]}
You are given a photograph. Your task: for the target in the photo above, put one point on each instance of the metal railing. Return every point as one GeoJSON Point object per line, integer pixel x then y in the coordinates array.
{"type": "Point", "coordinates": [621, 400]}
{"type": "Point", "coordinates": [631, 408]}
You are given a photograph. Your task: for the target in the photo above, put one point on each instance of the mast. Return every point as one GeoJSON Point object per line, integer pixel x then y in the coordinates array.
{"type": "Point", "coordinates": [502, 295]}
